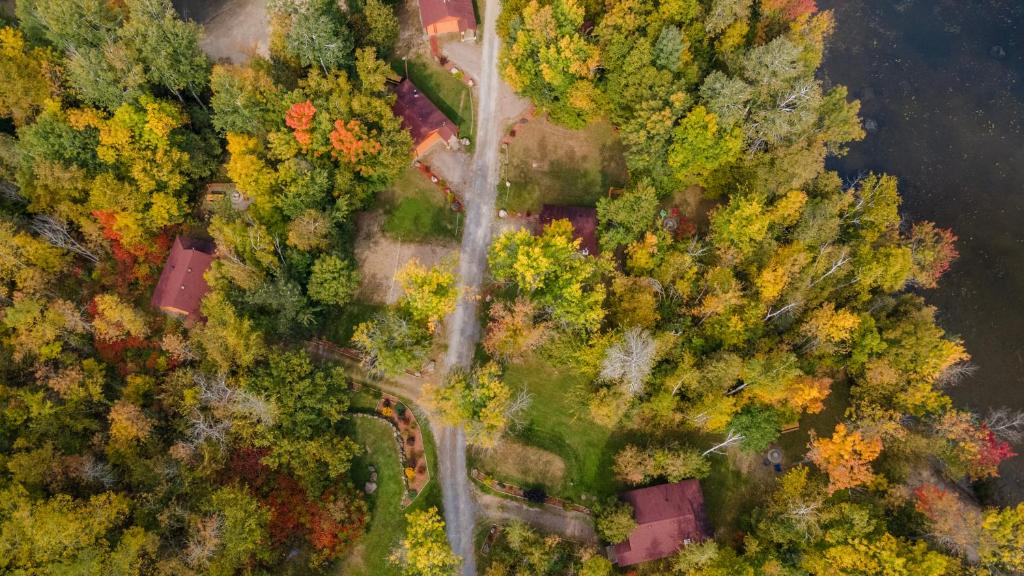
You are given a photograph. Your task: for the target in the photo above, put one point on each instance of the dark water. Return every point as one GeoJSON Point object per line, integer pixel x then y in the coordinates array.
{"type": "Point", "coordinates": [942, 89]}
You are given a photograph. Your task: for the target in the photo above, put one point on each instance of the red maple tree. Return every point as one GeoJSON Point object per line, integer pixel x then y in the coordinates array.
{"type": "Point", "coordinates": [790, 9]}
{"type": "Point", "coordinates": [300, 119]}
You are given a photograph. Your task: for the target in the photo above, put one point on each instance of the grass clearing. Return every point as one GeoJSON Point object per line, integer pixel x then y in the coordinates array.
{"type": "Point", "coordinates": [521, 464]}
{"type": "Point", "coordinates": [444, 89]}
{"type": "Point", "coordinates": [416, 210]}
{"type": "Point", "coordinates": [549, 164]}
{"type": "Point", "coordinates": [387, 523]}
{"type": "Point", "coordinates": [729, 497]}
{"type": "Point", "coordinates": [551, 424]}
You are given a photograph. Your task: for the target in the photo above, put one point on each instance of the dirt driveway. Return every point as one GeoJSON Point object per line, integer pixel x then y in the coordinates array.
{"type": "Point", "coordinates": [380, 258]}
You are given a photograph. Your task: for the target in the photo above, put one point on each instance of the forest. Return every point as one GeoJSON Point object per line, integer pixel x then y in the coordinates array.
{"type": "Point", "coordinates": [136, 442]}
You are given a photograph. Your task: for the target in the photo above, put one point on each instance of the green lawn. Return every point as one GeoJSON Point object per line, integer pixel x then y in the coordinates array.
{"type": "Point", "coordinates": [416, 210]}
{"type": "Point", "coordinates": [444, 89]}
{"type": "Point", "coordinates": [548, 164]}
{"type": "Point", "coordinates": [551, 424]}
{"type": "Point", "coordinates": [387, 524]}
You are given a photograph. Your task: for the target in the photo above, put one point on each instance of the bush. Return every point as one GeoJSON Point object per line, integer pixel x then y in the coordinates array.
{"type": "Point", "coordinates": [536, 494]}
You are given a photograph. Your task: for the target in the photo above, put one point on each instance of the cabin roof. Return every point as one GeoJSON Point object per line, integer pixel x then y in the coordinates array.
{"type": "Point", "coordinates": [419, 115]}
{"type": "Point", "coordinates": [668, 516]}
{"type": "Point", "coordinates": [181, 286]}
{"type": "Point", "coordinates": [434, 11]}
{"type": "Point", "coordinates": [583, 220]}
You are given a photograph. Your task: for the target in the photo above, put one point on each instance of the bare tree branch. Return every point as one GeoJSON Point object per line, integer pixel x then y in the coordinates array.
{"type": "Point", "coordinates": [56, 233]}
{"type": "Point", "coordinates": [730, 439]}
{"type": "Point", "coordinates": [630, 360]}
{"type": "Point", "coordinates": [1007, 424]}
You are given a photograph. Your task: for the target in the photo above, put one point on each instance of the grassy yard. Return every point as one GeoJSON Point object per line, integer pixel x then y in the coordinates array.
{"type": "Point", "coordinates": [444, 89]}
{"type": "Point", "coordinates": [387, 524]}
{"type": "Point", "coordinates": [416, 210]}
{"type": "Point", "coordinates": [549, 164]}
{"type": "Point", "coordinates": [550, 423]}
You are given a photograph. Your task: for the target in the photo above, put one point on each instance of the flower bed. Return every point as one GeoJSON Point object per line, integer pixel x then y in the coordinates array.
{"type": "Point", "coordinates": [409, 438]}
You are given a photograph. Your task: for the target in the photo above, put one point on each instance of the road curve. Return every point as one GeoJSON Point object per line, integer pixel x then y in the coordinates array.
{"type": "Point", "coordinates": [463, 325]}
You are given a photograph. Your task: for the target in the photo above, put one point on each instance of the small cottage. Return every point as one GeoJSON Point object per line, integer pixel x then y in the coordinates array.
{"type": "Point", "coordinates": [181, 286]}
{"type": "Point", "coordinates": [424, 121]}
{"type": "Point", "coordinates": [448, 17]}
{"type": "Point", "coordinates": [668, 517]}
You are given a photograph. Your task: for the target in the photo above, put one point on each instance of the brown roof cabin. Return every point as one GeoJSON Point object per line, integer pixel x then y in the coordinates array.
{"type": "Point", "coordinates": [181, 286]}
{"type": "Point", "coordinates": [448, 17]}
{"type": "Point", "coordinates": [583, 220]}
{"type": "Point", "coordinates": [668, 517]}
{"type": "Point", "coordinates": [424, 121]}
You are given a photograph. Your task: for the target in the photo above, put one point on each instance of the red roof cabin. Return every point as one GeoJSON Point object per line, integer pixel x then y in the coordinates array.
{"type": "Point", "coordinates": [668, 517]}
{"type": "Point", "coordinates": [424, 121]}
{"type": "Point", "coordinates": [448, 17]}
{"type": "Point", "coordinates": [583, 220]}
{"type": "Point", "coordinates": [181, 286]}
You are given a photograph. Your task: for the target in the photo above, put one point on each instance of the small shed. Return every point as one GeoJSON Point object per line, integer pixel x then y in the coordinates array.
{"type": "Point", "coordinates": [181, 286]}
{"type": "Point", "coordinates": [448, 17]}
{"type": "Point", "coordinates": [668, 517]}
{"type": "Point", "coordinates": [216, 192]}
{"type": "Point", "coordinates": [583, 220]}
{"type": "Point", "coordinates": [424, 121]}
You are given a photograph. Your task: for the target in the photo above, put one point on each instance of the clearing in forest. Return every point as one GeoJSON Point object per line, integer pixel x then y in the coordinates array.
{"type": "Point", "coordinates": [549, 164]}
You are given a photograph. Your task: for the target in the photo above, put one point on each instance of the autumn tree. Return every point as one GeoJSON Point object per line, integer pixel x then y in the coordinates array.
{"type": "Point", "coordinates": [552, 273]}
{"type": "Point", "coordinates": [626, 217]}
{"type": "Point", "coordinates": [392, 343]}
{"type": "Point", "coordinates": [30, 77]}
{"type": "Point", "coordinates": [239, 523]}
{"type": "Point", "coordinates": [549, 59]}
{"type": "Point", "coordinates": [430, 293]}
{"type": "Point", "coordinates": [479, 402]}
{"type": "Point", "coordinates": [1004, 539]}
{"type": "Point", "coordinates": [933, 250]}
{"type": "Point", "coordinates": [699, 147]}
{"type": "Point", "coordinates": [424, 551]}
{"type": "Point", "coordinates": [615, 522]}
{"type": "Point", "coordinates": [116, 319]}
{"type": "Point", "coordinates": [228, 338]}
{"type": "Point", "coordinates": [954, 524]}
{"type": "Point", "coordinates": [846, 457]}
{"type": "Point", "coordinates": [332, 281]}
{"type": "Point", "coordinates": [638, 465]}
{"type": "Point", "coordinates": [381, 26]}
{"type": "Point", "coordinates": [513, 330]}
{"type": "Point", "coordinates": [40, 534]}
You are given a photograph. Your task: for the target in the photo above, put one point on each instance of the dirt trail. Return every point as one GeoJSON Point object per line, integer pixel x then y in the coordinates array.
{"type": "Point", "coordinates": [463, 326]}
{"type": "Point", "coordinates": [575, 526]}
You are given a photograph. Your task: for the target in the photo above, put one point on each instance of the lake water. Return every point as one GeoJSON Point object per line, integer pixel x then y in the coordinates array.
{"type": "Point", "coordinates": [942, 89]}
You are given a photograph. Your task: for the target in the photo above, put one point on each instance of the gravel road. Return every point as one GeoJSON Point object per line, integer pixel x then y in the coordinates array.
{"type": "Point", "coordinates": [463, 326]}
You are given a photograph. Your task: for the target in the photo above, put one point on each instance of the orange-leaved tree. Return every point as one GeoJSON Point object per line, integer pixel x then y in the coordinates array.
{"type": "Point", "coordinates": [846, 457]}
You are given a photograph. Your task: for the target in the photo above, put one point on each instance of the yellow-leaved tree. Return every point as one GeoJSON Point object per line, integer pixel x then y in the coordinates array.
{"type": "Point", "coordinates": [846, 457]}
